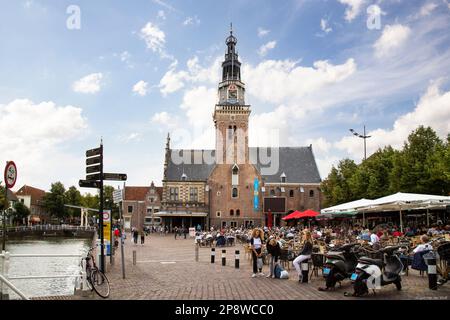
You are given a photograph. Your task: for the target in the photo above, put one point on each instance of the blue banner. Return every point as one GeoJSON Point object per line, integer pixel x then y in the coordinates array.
{"type": "Point", "coordinates": [256, 195]}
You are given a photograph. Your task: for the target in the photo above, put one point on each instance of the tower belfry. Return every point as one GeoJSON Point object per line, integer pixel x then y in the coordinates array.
{"type": "Point", "coordinates": [231, 114]}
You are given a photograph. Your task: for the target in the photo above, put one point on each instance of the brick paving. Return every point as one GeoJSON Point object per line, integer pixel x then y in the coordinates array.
{"type": "Point", "coordinates": [166, 269]}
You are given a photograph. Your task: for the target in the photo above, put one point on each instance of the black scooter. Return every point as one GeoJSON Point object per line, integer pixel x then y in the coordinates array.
{"type": "Point", "coordinates": [369, 273]}
{"type": "Point", "coordinates": [339, 265]}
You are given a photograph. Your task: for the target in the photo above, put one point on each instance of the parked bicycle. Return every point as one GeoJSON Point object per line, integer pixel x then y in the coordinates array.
{"type": "Point", "coordinates": [96, 280]}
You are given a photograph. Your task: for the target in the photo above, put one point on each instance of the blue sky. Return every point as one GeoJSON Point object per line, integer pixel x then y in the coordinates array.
{"type": "Point", "coordinates": [313, 69]}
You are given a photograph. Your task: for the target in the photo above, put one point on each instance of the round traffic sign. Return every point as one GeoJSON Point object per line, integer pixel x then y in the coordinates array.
{"type": "Point", "coordinates": [10, 174]}
{"type": "Point", "coordinates": [105, 216]}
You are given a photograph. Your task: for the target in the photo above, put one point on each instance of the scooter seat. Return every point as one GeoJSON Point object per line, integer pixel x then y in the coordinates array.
{"type": "Point", "coordinates": [377, 262]}
{"type": "Point", "coordinates": [335, 255]}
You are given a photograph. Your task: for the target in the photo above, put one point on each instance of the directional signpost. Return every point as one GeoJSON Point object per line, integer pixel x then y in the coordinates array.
{"type": "Point", "coordinates": [94, 179]}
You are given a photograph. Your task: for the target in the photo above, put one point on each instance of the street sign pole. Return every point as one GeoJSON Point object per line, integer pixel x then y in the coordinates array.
{"type": "Point", "coordinates": [4, 218]}
{"type": "Point", "coordinates": [100, 214]}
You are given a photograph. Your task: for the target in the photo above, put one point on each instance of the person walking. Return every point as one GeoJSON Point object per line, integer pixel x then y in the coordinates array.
{"type": "Point", "coordinates": [176, 232]}
{"type": "Point", "coordinates": [135, 236]}
{"type": "Point", "coordinates": [305, 253]}
{"type": "Point", "coordinates": [256, 244]}
{"type": "Point", "coordinates": [142, 237]}
{"type": "Point", "coordinates": [274, 249]}
{"type": "Point", "coordinates": [185, 231]}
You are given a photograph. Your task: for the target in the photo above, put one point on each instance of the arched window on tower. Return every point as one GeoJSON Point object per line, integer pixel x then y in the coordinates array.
{"type": "Point", "coordinates": [238, 212]}
{"type": "Point", "coordinates": [234, 192]}
{"type": "Point", "coordinates": [231, 212]}
{"type": "Point", "coordinates": [235, 175]}
{"type": "Point", "coordinates": [230, 132]}
{"type": "Point", "coordinates": [311, 193]}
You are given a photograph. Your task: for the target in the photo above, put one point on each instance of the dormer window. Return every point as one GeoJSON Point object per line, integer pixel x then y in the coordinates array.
{"type": "Point", "coordinates": [183, 177]}
{"type": "Point", "coordinates": [283, 178]}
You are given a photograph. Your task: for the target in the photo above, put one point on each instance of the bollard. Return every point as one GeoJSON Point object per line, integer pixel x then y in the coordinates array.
{"type": "Point", "coordinates": [213, 254]}
{"type": "Point", "coordinates": [134, 257]}
{"type": "Point", "coordinates": [236, 259]}
{"type": "Point", "coordinates": [224, 259]}
{"type": "Point", "coordinates": [196, 252]}
{"type": "Point", "coordinates": [432, 272]}
{"type": "Point", "coordinates": [305, 271]}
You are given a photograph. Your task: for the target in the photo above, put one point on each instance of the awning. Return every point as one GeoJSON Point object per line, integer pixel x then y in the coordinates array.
{"type": "Point", "coordinates": [180, 214]}
{"type": "Point", "coordinates": [348, 208]}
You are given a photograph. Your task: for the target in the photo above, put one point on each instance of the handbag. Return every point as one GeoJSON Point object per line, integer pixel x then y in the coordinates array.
{"type": "Point", "coordinates": [259, 263]}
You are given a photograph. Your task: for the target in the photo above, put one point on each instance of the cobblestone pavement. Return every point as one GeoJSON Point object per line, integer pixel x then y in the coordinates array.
{"type": "Point", "coordinates": [166, 269]}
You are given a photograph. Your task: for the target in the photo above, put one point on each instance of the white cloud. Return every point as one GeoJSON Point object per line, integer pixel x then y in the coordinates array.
{"type": "Point", "coordinates": [392, 38]}
{"type": "Point", "coordinates": [35, 136]}
{"type": "Point", "coordinates": [324, 26]}
{"type": "Point", "coordinates": [132, 137]}
{"type": "Point", "coordinates": [196, 102]}
{"type": "Point", "coordinates": [432, 110]}
{"type": "Point", "coordinates": [427, 8]}
{"type": "Point", "coordinates": [88, 84]}
{"type": "Point", "coordinates": [162, 118]}
{"type": "Point", "coordinates": [141, 88]}
{"type": "Point", "coordinates": [191, 21]}
{"type": "Point", "coordinates": [353, 8]}
{"type": "Point", "coordinates": [291, 83]}
{"type": "Point", "coordinates": [262, 32]}
{"type": "Point", "coordinates": [262, 51]}
{"type": "Point", "coordinates": [161, 15]}
{"type": "Point", "coordinates": [174, 80]}
{"type": "Point", "coordinates": [154, 37]}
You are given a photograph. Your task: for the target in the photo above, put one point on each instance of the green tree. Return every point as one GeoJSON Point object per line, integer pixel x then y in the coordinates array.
{"type": "Point", "coordinates": [3, 202]}
{"type": "Point", "coordinates": [336, 186]}
{"type": "Point", "coordinates": [90, 201]}
{"type": "Point", "coordinates": [21, 212]}
{"type": "Point", "coordinates": [415, 166]}
{"type": "Point", "coordinates": [73, 197]}
{"type": "Point", "coordinates": [371, 179]}
{"type": "Point", "coordinates": [55, 199]}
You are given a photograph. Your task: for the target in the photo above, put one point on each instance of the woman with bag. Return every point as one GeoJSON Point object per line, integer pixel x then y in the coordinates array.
{"type": "Point", "coordinates": [256, 244]}
{"type": "Point", "coordinates": [274, 249]}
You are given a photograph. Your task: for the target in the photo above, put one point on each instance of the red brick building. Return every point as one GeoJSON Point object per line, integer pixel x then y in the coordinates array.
{"type": "Point", "coordinates": [140, 206]}
{"type": "Point", "coordinates": [234, 184]}
{"type": "Point", "coordinates": [33, 199]}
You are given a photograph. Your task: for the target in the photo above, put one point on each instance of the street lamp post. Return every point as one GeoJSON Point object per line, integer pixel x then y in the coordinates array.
{"type": "Point", "coordinates": [364, 137]}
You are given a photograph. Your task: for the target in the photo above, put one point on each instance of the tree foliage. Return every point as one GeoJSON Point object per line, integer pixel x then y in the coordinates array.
{"type": "Point", "coordinates": [422, 166]}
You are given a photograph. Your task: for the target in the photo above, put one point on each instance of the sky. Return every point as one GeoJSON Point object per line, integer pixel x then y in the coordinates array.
{"type": "Point", "coordinates": [130, 72]}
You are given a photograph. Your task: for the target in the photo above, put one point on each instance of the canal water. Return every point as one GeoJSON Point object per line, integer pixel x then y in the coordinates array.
{"type": "Point", "coordinates": [37, 266]}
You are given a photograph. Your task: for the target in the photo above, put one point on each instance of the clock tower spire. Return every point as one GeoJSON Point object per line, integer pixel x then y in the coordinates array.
{"type": "Point", "coordinates": [231, 114]}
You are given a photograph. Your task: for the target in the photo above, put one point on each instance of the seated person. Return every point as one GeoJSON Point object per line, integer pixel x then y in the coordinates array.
{"type": "Point", "coordinates": [424, 246]}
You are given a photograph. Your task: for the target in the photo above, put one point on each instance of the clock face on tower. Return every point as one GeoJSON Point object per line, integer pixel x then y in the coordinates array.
{"type": "Point", "coordinates": [232, 94]}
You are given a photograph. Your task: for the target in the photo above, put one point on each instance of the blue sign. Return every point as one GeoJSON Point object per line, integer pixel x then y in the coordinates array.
{"type": "Point", "coordinates": [256, 195]}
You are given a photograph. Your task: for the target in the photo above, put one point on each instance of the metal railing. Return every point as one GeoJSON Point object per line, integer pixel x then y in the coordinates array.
{"type": "Point", "coordinates": [5, 257]}
{"type": "Point", "coordinates": [47, 228]}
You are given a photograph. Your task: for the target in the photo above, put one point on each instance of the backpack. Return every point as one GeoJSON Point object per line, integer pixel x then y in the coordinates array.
{"type": "Point", "coordinates": [277, 271]}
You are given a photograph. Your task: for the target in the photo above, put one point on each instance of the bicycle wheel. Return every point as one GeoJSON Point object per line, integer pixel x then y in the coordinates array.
{"type": "Point", "coordinates": [100, 283]}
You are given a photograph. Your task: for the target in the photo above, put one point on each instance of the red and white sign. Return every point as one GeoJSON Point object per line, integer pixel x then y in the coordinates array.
{"type": "Point", "coordinates": [106, 215]}
{"type": "Point", "coordinates": [10, 174]}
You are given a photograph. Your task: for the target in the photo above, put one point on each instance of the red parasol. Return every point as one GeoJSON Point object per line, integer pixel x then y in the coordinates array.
{"type": "Point", "coordinates": [293, 215]}
{"type": "Point", "coordinates": [308, 214]}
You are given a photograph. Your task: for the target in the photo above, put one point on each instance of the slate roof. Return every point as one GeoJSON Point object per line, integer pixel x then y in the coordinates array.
{"type": "Point", "coordinates": [196, 169]}
{"type": "Point", "coordinates": [298, 164]}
